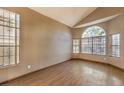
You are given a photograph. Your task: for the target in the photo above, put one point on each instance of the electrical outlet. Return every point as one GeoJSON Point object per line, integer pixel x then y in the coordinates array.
{"type": "Point", "coordinates": [29, 66]}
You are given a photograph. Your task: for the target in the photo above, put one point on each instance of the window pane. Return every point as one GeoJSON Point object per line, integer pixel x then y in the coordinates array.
{"type": "Point", "coordinates": [1, 51]}
{"type": "Point", "coordinates": [76, 45]}
{"type": "Point", "coordinates": [76, 49]}
{"type": "Point", "coordinates": [18, 21]}
{"type": "Point", "coordinates": [6, 51]}
{"type": "Point", "coordinates": [1, 35]}
{"type": "Point", "coordinates": [116, 39]}
{"type": "Point", "coordinates": [93, 31]}
{"type": "Point", "coordinates": [12, 32]}
{"type": "Point", "coordinates": [1, 61]}
{"type": "Point", "coordinates": [12, 40]}
{"type": "Point", "coordinates": [12, 51]}
{"type": "Point", "coordinates": [12, 19]}
{"type": "Point", "coordinates": [12, 60]}
{"type": "Point", "coordinates": [1, 22]}
{"type": "Point", "coordinates": [6, 31]}
{"type": "Point", "coordinates": [6, 14]}
{"type": "Point", "coordinates": [73, 49]}
{"type": "Point", "coordinates": [6, 40]}
{"type": "Point", "coordinates": [18, 55]}
{"type": "Point", "coordinates": [1, 13]}
{"type": "Point", "coordinates": [6, 17]}
{"type": "Point", "coordinates": [6, 61]}
{"type": "Point", "coordinates": [75, 42]}
{"type": "Point", "coordinates": [18, 37]}
{"type": "Point", "coordinates": [116, 51]}
{"type": "Point", "coordinates": [116, 45]}
{"type": "Point", "coordinates": [87, 45]}
{"type": "Point", "coordinates": [1, 31]}
{"type": "Point", "coordinates": [99, 45]}
{"type": "Point", "coordinates": [1, 16]}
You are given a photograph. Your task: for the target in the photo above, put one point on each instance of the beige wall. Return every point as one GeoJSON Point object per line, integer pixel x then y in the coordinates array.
{"type": "Point", "coordinates": [115, 25]}
{"type": "Point", "coordinates": [44, 42]}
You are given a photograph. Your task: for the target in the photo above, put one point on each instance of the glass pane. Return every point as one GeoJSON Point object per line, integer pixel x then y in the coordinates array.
{"type": "Point", "coordinates": [93, 31]}
{"type": "Point", "coordinates": [6, 51]}
{"type": "Point", "coordinates": [1, 41]}
{"type": "Point", "coordinates": [1, 22]}
{"type": "Point", "coordinates": [12, 19]}
{"type": "Point", "coordinates": [1, 31]}
{"type": "Point", "coordinates": [17, 55]}
{"type": "Point", "coordinates": [6, 23]}
{"type": "Point", "coordinates": [1, 16]}
{"type": "Point", "coordinates": [18, 21]}
{"type": "Point", "coordinates": [116, 51]}
{"type": "Point", "coordinates": [116, 39]}
{"type": "Point", "coordinates": [116, 45]}
{"type": "Point", "coordinates": [12, 51]}
{"type": "Point", "coordinates": [6, 61]}
{"type": "Point", "coordinates": [86, 45]}
{"type": "Point", "coordinates": [12, 31]}
{"type": "Point", "coordinates": [6, 14]}
{"type": "Point", "coordinates": [6, 40]}
{"type": "Point", "coordinates": [12, 40]}
{"type": "Point", "coordinates": [18, 30]}
{"type": "Point", "coordinates": [6, 17]}
{"type": "Point", "coordinates": [77, 49]}
{"type": "Point", "coordinates": [76, 42]}
{"type": "Point", "coordinates": [75, 45]}
{"type": "Point", "coordinates": [73, 49]}
{"type": "Point", "coordinates": [1, 60]}
{"type": "Point", "coordinates": [12, 60]}
{"type": "Point", "coordinates": [18, 36]}
{"type": "Point", "coordinates": [1, 51]}
{"type": "Point", "coordinates": [17, 41]}
{"type": "Point", "coordinates": [12, 16]}
{"type": "Point", "coordinates": [99, 45]}
{"type": "Point", "coordinates": [1, 13]}
{"type": "Point", "coordinates": [6, 31]}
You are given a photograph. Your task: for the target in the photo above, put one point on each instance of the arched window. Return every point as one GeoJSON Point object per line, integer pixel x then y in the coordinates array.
{"type": "Point", "coordinates": [93, 41]}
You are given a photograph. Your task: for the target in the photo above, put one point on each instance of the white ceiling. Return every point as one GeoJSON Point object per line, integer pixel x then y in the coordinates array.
{"type": "Point", "coordinates": [67, 15]}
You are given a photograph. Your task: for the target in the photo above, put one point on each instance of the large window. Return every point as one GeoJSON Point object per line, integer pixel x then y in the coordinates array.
{"type": "Point", "coordinates": [116, 45]}
{"type": "Point", "coordinates": [76, 44]}
{"type": "Point", "coordinates": [93, 41]}
{"type": "Point", "coordinates": [9, 37]}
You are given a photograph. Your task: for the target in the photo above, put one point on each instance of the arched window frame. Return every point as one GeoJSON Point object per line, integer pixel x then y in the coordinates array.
{"type": "Point", "coordinates": [92, 43]}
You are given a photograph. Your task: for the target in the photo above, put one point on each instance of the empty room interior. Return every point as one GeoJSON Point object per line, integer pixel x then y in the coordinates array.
{"type": "Point", "coordinates": [61, 46]}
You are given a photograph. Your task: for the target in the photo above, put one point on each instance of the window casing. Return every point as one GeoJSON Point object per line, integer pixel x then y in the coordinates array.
{"type": "Point", "coordinates": [93, 41]}
{"type": "Point", "coordinates": [9, 37]}
{"type": "Point", "coordinates": [115, 45]}
{"type": "Point", "coordinates": [76, 45]}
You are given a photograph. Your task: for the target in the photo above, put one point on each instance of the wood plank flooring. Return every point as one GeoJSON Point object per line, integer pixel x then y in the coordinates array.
{"type": "Point", "coordinates": [72, 73]}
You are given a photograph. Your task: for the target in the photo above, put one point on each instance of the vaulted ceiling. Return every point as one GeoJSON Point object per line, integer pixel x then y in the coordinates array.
{"type": "Point", "coordinates": [67, 15]}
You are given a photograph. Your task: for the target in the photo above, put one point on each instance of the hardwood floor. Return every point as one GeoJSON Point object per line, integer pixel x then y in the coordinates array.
{"type": "Point", "coordinates": [72, 73]}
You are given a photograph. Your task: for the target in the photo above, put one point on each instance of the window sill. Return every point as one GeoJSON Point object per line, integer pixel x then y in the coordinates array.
{"type": "Point", "coordinates": [92, 54]}
{"type": "Point", "coordinates": [116, 58]}
{"type": "Point", "coordinates": [4, 67]}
